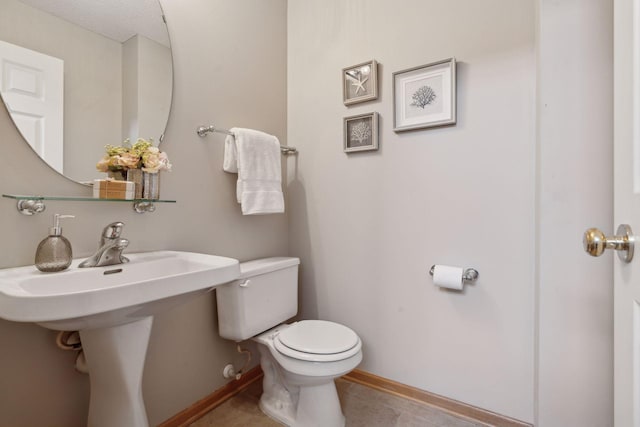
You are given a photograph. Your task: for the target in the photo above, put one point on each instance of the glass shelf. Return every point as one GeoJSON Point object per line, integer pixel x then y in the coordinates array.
{"type": "Point", "coordinates": [82, 199]}
{"type": "Point", "coordinates": [29, 205]}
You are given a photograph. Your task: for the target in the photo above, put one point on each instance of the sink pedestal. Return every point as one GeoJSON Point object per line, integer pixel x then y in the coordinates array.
{"type": "Point", "coordinates": [113, 308]}
{"type": "Point", "coordinates": [115, 356]}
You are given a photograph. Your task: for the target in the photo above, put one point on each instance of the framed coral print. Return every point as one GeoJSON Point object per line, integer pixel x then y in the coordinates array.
{"type": "Point", "coordinates": [361, 133]}
{"type": "Point", "coordinates": [425, 96]}
{"type": "Point", "coordinates": [360, 82]}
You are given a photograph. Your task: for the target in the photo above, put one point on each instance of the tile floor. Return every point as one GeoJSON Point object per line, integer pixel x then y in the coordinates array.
{"type": "Point", "coordinates": [362, 406]}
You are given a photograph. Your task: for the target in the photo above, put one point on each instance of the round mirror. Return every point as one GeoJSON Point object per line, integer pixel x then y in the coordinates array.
{"type": "Point", "coordinates": [77, 75]}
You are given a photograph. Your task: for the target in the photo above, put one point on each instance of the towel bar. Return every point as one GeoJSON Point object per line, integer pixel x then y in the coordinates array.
{"type": "Point", "coordinates": [202, 131]}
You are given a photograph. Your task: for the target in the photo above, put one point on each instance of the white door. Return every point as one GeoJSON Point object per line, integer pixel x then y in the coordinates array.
{"type": "Point", "coordinates": [627, 210]}
{"type": "Point", "coordinates": [31, 84]}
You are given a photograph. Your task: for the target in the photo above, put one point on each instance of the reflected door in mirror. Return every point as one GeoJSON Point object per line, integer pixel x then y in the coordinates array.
{"type": "Point", "coordinates": [32, 87]}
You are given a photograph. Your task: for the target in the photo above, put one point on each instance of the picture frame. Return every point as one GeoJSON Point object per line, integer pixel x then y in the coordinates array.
{"type": "Point", "coordinates": [425, 96]}
{"type": "Point", "coordinates": [360, 82]}
{"type": "Point", "coordinates": [361, 133]}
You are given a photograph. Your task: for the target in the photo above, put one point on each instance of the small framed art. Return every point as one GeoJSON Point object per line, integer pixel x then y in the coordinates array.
{"type": "Point", "coordinates": [425, 96]}
{"type": "Point", "coordinates": [360, 82]}
{"type": "Point", "coordinates": [361, 133]}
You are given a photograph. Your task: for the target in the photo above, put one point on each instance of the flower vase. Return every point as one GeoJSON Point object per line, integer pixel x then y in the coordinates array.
{"type": "Point", "coordinates": [120, 175]}
{"type": "Point", "coordinates": [135, 176]}
{"type": "Point", "coordinates": [150, 185]}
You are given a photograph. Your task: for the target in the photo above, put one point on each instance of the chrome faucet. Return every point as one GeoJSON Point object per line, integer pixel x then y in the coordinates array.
{"type": "Point", "coordinates": [110, 250]}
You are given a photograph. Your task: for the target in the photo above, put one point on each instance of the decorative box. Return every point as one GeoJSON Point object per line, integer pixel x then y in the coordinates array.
{"type": "Point", "coordinates": [113, 189]}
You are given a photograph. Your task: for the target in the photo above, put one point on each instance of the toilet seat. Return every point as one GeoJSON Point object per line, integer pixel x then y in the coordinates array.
{"type": "Point", "coordinates": [317, 341]}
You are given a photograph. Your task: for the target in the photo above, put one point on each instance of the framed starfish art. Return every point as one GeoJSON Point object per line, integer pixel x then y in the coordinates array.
{"type": "Point", "coordinates": [360, 82]}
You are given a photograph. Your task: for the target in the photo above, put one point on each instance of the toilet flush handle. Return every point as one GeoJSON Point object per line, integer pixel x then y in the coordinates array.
{"type": "Point", "coordinates": [245, 284]}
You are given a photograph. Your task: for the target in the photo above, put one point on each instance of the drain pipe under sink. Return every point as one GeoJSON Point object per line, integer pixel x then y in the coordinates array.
{"type": "Point", "coordinates": [70, 340]}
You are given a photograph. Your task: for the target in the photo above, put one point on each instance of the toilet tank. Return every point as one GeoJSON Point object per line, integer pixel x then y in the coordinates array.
{"type": "Point", "coordinates": [265, 295]}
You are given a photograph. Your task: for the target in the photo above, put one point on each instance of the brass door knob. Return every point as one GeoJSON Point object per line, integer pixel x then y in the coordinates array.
{"type": "Point", "coordinates": [595, 242]}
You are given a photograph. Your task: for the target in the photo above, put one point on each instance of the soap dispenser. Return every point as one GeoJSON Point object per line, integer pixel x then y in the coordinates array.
{"type": "Point", "coordinates": [54, 252]}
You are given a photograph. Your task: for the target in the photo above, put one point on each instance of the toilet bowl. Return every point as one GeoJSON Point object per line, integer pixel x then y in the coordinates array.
{"type": "Point", "coordinates": [300, 360]}
{"type": "Point", "coordinates": [298, 386]}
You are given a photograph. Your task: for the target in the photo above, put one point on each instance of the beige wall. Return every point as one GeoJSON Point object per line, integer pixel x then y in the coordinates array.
{"type": "Point", "coordinates": [92, 80]}
{"type": "Point", "coordinates": [147, 85]}
{"type": "Point", "coordinates": [502, 191]}
{"type": "Point", "coordinates": [130, 53]}
{"type": "Point", "coordinates": [155, 85]}
{"type": "Point", "coordinates": [369, 226]}
{"type": "Point", "coordinates": [220, 85]}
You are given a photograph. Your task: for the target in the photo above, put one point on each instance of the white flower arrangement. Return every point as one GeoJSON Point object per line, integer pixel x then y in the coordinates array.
{"type": "Point", "coordinates": [141, 155]}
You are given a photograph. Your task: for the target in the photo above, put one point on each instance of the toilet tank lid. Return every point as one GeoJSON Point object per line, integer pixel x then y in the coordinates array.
{"type": "Point", "coordinates": [266, 265]}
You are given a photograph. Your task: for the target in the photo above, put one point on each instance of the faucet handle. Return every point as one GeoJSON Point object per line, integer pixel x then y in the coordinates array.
{"type": "Point", "coordinates": [113, 230]}
{"type": "Point", "coordinates": [121, 243]}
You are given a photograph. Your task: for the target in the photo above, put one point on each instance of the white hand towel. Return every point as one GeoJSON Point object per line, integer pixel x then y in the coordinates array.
{"type": "Point", "coordinates": [230, 162]}
{"type": "Point", "coordinates": [256, 157]}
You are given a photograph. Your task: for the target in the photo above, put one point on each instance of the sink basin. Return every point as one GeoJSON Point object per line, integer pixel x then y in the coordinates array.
{"type": "Point", "coordinates": [113, 309]}
{"type": "Point", "coordinates": [83, 298]}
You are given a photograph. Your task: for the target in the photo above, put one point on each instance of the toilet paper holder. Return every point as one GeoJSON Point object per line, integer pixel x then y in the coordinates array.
{"type": "Point", "coordinates": [469, 275]}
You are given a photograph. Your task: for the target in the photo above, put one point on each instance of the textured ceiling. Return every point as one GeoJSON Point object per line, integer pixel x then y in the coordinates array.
{"type": "Point", "coordinates": [117, 19]}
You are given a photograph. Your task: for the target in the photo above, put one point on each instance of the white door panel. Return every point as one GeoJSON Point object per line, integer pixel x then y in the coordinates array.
{"type": "Point", "coordinates": [32, 87]}
{"type": "Point", "coordinates": [626, 210]}
{"type": "Point", "coordinates": [626, 204]}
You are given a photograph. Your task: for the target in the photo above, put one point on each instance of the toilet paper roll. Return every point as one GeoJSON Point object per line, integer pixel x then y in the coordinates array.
{"type": "Point", "coordinates": [448, 277]}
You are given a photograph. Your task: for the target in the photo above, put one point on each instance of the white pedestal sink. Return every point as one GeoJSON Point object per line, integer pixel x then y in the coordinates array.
{"type": "Point", "coordinates": [113, 309]}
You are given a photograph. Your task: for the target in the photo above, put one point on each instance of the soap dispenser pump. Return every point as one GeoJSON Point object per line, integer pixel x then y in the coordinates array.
{"type": "Point", "coordinates": [54, 252]}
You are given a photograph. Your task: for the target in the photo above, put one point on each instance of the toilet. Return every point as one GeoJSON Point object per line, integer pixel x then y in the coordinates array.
{"type": "Point", "coordinates": [300, 360]}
